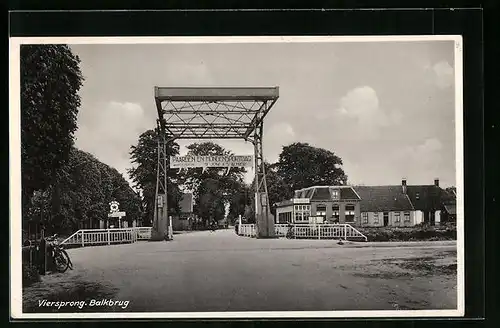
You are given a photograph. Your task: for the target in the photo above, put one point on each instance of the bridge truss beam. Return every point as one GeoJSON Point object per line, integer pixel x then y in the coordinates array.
{"type": "Point", "coordinates": [212, 113]}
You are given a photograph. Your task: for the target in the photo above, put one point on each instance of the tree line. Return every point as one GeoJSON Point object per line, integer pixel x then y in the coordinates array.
{"type": "Point", "coordinates": [66, 188]}
{"type": "Point", "coordinates": [299, 165]}
{"type": "Point", "coordinates": [63, 188]}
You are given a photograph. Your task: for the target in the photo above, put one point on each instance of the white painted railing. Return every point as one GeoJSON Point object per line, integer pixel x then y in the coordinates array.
{"type": "Point", "coordinates": [311, 231]}
{"type": "Point", "coordinates": [247, 230]}
{"type": "Point", "coordinates": [88, 237]}
{"type": "Point", "coordinates": [143, 233]}
{"type": "Point", "coordinates": [280, 229]}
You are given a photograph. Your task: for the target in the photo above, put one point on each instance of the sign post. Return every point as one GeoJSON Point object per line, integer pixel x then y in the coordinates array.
{"type": "Point", "coordinates": [114, 212]}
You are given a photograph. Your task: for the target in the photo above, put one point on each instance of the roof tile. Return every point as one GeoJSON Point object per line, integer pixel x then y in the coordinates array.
{"type": "Point", "coordinates": [383, 198]}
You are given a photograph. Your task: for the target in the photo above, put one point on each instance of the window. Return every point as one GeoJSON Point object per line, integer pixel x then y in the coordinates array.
{"type": "Point", "coordinates": [397, 217]}
{"type": "Point", "coordinates": [365, 217]}
{"type": "Point", "coordinates": [335, 194]}
{"type": "Point", "coordinates": [375, 218]}
{"type": "Point", "coordinates": [335, 213]}
{"type": "Point", "coordinates": [321, 210]}
{"type": "Point", "coordinates": [407, 216]}
{"type": "Point", "coordinates": [302, 213]}
{"type": "Point", "coordinates": [349, 213]}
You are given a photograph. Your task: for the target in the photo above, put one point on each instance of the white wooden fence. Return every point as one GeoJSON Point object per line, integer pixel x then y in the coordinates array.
{"type": "Point", "coordinates": [309, 231]}
{"type": "Point", "coordinates": [247, 230]}
{"type": "Point", "coordinates": [89, 237]}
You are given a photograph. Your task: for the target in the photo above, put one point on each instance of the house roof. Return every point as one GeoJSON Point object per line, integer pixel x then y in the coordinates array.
{"type": "Point", "coordinates": [186, 203]}
{"type": "Point", "coordinates": [383, 198]}
{"type": "Point", "coordinates": [284, 203]}
{"type": "Point", "coordinates": [322, 193]}
{"type": "Point", "coordinates": [429, 197]}
{"type": "Point", "coordinates": [348, 193]}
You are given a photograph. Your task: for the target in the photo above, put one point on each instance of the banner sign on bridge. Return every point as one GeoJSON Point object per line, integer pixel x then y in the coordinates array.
{"type": "Point", "coordinates": [228, 161]}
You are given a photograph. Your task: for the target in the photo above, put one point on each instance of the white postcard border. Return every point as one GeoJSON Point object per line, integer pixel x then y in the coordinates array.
{"type": "Point", "coordinates": [15, 176]}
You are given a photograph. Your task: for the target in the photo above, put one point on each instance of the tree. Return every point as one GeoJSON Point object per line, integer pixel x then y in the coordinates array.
{"type": "Point", "coordinates": [301, 165]}
{"type": "Point", "coordinates": [50, 81]}
{"type": "Point", "coordinates": [213, 184]}
{"type": "Point", "coordinates": [210, 203]}
{"type": "Point", "coordinates": [451, 190]}
{"type": "Point", "coordinates": [145, 156]}
{"type": "Point", "coordinates": [240, 198]}
{"type": "Point", "coordinates": [277, 189]}
{"type": "Point", "coordinates": [81, 192]}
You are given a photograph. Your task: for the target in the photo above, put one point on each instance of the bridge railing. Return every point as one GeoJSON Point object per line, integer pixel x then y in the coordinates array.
{"type": "Point", "coordinates": [311, 231]}
{"type": "Point", "coordinates": [143, 233]}
{"type": "Point", "coordinates": [247, 230]}
{"type": "Point", "coordinates": [88, 237]}
{"type": "Point", "coordinates": [280, 229]}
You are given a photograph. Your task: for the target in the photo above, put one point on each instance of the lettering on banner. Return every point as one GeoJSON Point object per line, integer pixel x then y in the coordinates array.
{"type": "Point", "coordinates": [204, 162]}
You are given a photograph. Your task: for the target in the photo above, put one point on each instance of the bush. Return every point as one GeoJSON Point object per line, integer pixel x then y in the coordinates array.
{"type": "Point", "coordinates": [30, 274]}
{"type": "Point", "coordinates": [420, 232]}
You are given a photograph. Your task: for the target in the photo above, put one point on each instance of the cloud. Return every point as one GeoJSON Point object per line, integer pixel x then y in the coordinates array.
{"type": "Point", "coordinates": [443, 74]}
{"type": "Point", "coordinates": [421, 162]}
{"type": "Point", "coordinates": [362, 104]}
{"type": "Point", "coordinates": [362, 114]}
{"type": "Point", "coordinates": [108, 129]}
{"type": "Point", "coordinates": [275, 137]}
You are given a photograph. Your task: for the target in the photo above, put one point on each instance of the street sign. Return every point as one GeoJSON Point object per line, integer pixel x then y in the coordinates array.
{"type": "Point", "coordinates": [116, 214]}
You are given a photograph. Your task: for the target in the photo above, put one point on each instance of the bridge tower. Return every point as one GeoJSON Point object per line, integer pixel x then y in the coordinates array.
{"type": "Point", "coordinates": [212, 113]}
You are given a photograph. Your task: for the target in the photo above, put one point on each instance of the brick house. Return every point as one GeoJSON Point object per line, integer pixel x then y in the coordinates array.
{"type": "Point", "coordinates": [370, 206]}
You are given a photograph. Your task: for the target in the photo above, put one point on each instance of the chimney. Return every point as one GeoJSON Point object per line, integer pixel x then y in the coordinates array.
{"type": "Point", "coordinates": [403, 184]}
{"type": "Point", "coordinates": [436, 182]}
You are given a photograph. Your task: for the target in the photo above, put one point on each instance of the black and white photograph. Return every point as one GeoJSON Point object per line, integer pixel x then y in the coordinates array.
{"type": "Point", "coordinates": [236, 177]}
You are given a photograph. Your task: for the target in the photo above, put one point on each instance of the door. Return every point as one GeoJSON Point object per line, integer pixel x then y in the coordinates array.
{"type": "Point", "coordinates": [432, 216]}
{"type": "Point", "coordinates": [386, 219]}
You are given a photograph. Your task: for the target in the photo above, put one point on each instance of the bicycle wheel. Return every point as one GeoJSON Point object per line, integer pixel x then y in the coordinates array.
{"type": "Point", "coordinates": [60, 261]}
{"type": "Point", "coordinates": [70, 264]}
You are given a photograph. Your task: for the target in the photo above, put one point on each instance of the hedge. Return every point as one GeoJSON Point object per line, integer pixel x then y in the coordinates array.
{"type": "Point", "coordinates": [421, 232]}
{"type": "Point", "coordinates": [30, 274]}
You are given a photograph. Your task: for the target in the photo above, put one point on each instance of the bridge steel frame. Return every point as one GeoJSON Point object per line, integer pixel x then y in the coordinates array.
{"type": "Point", "coordinates": [212, 113]}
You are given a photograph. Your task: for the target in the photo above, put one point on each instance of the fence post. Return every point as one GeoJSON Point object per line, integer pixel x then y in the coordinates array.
{"type": "Point", "coordinates": [83, 237]}
{"type": "Point", "coordinates": [109, 240]}
{"type": "Point", "coordinates": [43, 252]}
{"type": "Point", "coordinates": [345, 232]}
{"type": "Point", "coordinates": [239, 224]}
{"type": "Point", "coordinates": [319, 231]}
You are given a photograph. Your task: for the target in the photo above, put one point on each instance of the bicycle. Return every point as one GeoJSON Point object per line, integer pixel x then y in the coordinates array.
{"type": "Point", "coordinates": [290, 234]}
{"type": "Point", "coordinates": [59, 255]}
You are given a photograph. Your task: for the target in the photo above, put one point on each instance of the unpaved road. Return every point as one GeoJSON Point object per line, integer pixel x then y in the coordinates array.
{"type": "Point", "coordinates": [219, 271]}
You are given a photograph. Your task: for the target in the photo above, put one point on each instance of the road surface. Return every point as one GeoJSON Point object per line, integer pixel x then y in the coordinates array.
{"type": "Point", "coordinates": [220, 271]}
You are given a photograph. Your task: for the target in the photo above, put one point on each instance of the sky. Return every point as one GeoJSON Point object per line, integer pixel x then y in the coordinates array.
{"type": "Point", "coordinates": [387, 109]}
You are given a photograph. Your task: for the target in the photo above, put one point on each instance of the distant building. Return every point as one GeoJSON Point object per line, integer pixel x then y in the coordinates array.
{"type": "Point", "coordinates": [185, 218]}
{"type": "Point", "coordinates": [371, 206]}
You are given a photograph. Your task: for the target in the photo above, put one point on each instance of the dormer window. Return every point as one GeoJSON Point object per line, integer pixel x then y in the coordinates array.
{"type": "Point", "coordinates": [417, 195]}
{"type": "Point", "coordinates": [335, 194]}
